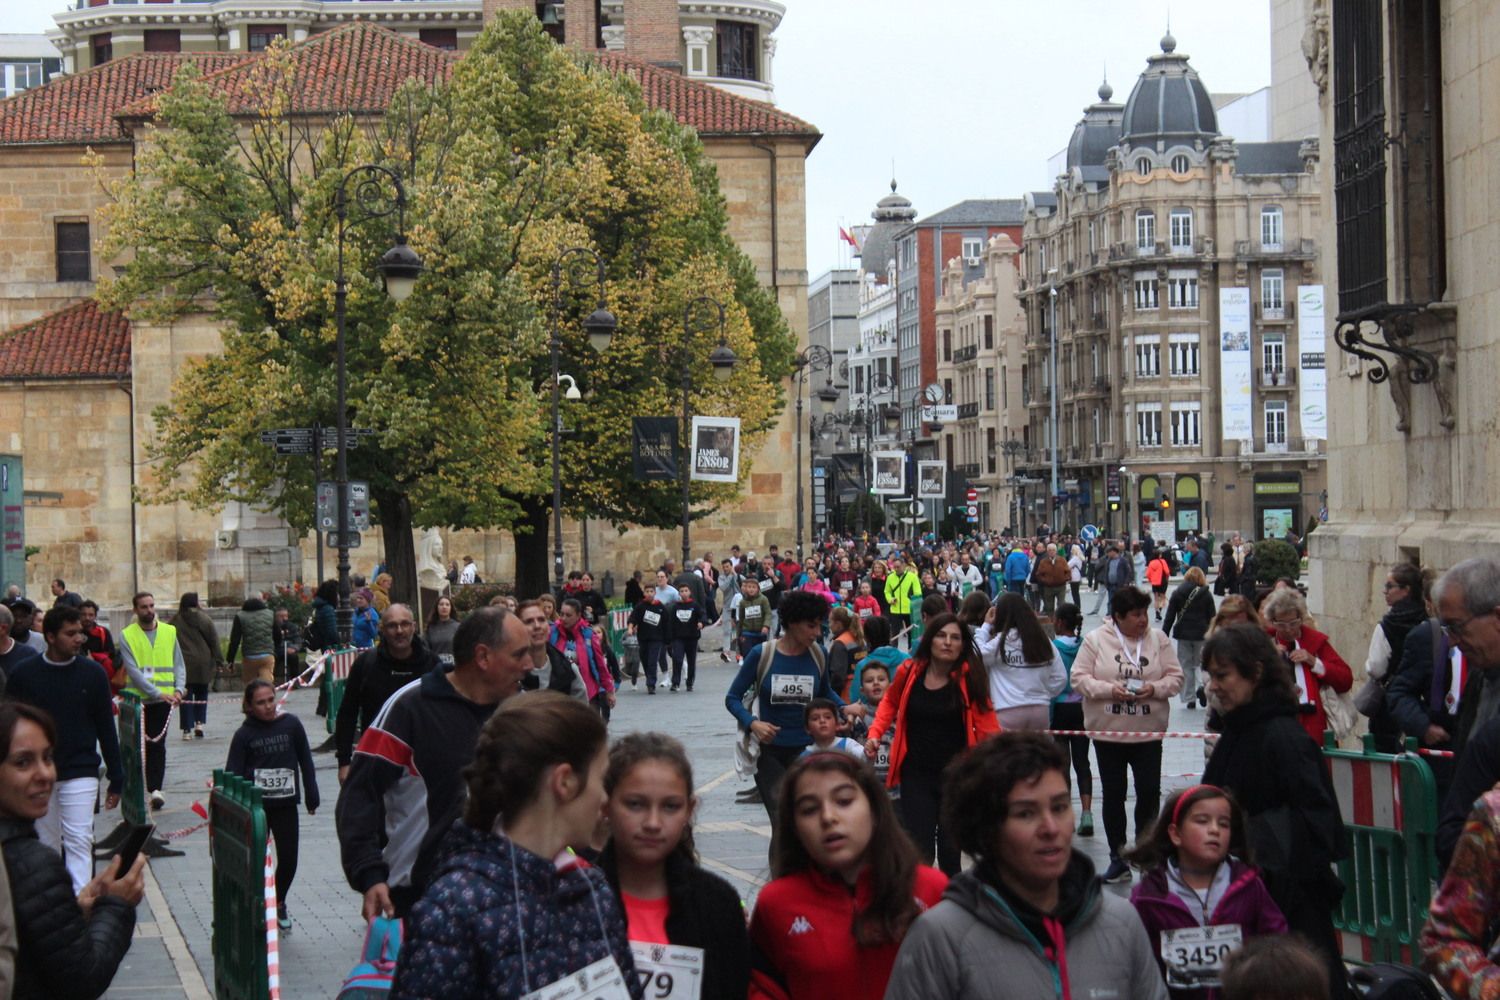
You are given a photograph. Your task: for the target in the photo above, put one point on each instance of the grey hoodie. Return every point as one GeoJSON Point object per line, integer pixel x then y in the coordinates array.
{"type": "Point", "coordinates": [976, 945]}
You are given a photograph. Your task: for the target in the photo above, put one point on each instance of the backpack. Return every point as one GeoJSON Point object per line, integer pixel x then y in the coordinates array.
{"type": "Point", "coordinates": [1385, 981]}
{"type": "Point", "coordinates": [371, 978]}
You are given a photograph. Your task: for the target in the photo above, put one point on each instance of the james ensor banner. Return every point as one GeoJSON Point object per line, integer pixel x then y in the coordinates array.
{"type": "Point", "coordinates": [890, 473]}
{"type": "Point", "coordinates": [931, 481]}
{"type": "Point", "coordinates": [716, 449]}
{"type": "Point", "coordinates": [1234, 364]}
{"type": "Point", "coordinates": [654, 448]}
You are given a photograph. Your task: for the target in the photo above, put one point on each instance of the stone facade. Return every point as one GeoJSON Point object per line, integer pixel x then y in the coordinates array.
{"type": "Point", "coordinates": [1411, 466]}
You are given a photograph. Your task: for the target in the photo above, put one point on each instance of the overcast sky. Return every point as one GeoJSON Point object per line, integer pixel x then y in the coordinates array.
{"type": "Point", "coordinates": [962, 99]}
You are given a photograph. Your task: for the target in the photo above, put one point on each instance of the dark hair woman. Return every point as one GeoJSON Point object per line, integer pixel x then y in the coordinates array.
{"type": "Point", "coordinates": [1025, 670]}
{"type": "Point", "coordinates": [508, 912]}
{"type": "Point", "coordinates": [937, 706]}
{"type": "Point", "coordinates": [847, 886]}
{"type": "Point", "coordinates": [1276, 773]}
{"type": "Point", "coordinates": [1029, 919]}
{"type": "Point", "coordinates": [323, 633]}
{"type": "Point", "coordinates": [70, 945]}
{"type": "Point", "coordinates": [1127, 672]}
{"type": "Point", "coordinates": [1405, 594]}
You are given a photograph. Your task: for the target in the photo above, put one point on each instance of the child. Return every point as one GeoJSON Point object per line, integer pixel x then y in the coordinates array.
{"type": "Point", "coordinates": [687, 626]}
{"type": "Point", "coordinates": [847, 886]}
{"type": "Point", "coordinates": [865, 605]}
{"type": "Point", "coordinates": [1198, 904]}
{"type": "Point", "coordinates": [875, 678]}
{"type": "Point", "coordinates": [1067, 713]}
{"type": "Point", "coordinates": [651, 624]}
{"type": "Point", "coordinates": [270, 750]}
{"type": "Point", "coordinates": [846, 650]}
{"type": "Point", "coordinates": [653, 867]}
{"type": "Point", "coordinates": [821, 719]}
{"type": "Point", "coordinates": [753, 615]}
{"type": "Point", "coordinates": [1275, 968]}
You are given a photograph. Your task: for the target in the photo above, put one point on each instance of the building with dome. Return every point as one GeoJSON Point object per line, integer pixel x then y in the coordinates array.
{"type": "Point", "coordinates": [1172, 282]}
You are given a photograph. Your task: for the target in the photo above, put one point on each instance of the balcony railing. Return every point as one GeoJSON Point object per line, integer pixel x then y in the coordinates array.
{"type": "Point", "coordinates": [1277, 378]}
{"type": "Point", "coordinates": [964, 354]}
{"type": "Point", "coordinates": [968, 411]}
{"type": "Point", "coordinates": [966, 472]}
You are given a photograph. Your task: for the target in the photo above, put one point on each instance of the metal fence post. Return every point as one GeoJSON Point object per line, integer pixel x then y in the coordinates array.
{"type": "Point", "coordinates": [237, 846]}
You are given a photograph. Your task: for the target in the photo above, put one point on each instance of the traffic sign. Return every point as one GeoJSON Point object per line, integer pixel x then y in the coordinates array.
{"type": "Point", "coordinates": [332, 539]}
{"type": "Point", "coordinates": [328, 506]}
{"type": "Point", "coordinates": [972, 495]}
{"type": "Point", "coordinates": [299, 440]}
{"type": "Point", "coordinates": [1088, 532]}
{"type": "Point", "coordinates": [973, 512]}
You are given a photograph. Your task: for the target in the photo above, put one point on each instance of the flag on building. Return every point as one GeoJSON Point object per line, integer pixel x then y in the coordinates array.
{"type": "Point", "coordinates": [844, 235]}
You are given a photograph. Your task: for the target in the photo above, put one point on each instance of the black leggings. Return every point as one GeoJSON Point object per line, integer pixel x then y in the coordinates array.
{"type": "Point", "coordinates": [769, 770]}
{"type": "Point", "coordinates": [653, 659]}
{"type": "Point", "coordinates": [281, 821]}
{"type": "Point", "coordinates": [920, 809]}
{"type": "Point", "coordinates": [154, 716]}
{"type": "Point", "coordinates": [1144, 761]}
{"type": "Point", "coordinates": [684, 649]}
{"type": "Point", "coordinates": [1069, 715]}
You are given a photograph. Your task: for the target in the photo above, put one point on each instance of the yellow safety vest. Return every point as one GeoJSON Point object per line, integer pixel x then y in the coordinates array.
{"type": "Point", "coordinates": [156, 660]}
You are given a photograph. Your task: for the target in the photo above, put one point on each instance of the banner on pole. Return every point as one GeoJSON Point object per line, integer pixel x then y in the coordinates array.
{"type": "Point", "coordinates": [716, 449]}
{"type": "Point", "coordinates": [1311, 346]}
{"type": "Point", "coordinates": [653, 448]}
{"type": "Point", "coordinates": [932, 480]}
{"type": "Point", "coordinates": [889, 477]}
{"type": "Point", "coordinates": [1237, 406]}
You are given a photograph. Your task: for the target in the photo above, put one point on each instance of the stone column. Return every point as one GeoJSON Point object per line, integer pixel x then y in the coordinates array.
{"type": "Point", "coordinates": [614, 38]}
{"type": "Point", "coordinates": [697, 38]}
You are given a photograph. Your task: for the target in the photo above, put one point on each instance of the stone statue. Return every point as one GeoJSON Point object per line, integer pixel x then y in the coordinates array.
{"type": "Point", "coordinates": [432, 572]}
{"type": "Point", "coordinates": [1315, 45]}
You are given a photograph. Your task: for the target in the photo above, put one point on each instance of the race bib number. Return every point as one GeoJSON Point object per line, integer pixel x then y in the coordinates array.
{"type": "Point", "coordinates": [791, 689]}
{"type": "Point", "coordinates": [276, 782]}
{"type": "Point", "coordinates": [883, 757]}
{"type": "Point", "coordinates": [601, 981]}
{"type": "Point", "coordinates": [652, 618]}
{"type": "Point", "coordinates": [866, 612]}
{"type": "Point", "coordinates": [1194, 956]}
{"type": "Point", "coordinates": [668, 971]}
{"type": "Point", "coordinates": [684, 616]}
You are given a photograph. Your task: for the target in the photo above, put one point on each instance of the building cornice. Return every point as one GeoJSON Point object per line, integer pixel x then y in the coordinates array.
{"type": "Point", "coordinates": [393, 13]}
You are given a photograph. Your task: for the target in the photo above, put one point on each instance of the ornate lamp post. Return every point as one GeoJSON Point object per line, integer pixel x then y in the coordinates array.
{"type": "Point", "coordinates": [723, 361]}
{"type": "Point", "coordinates": [600, 327]}
{"type": "Point", "coordinates": [400, 267]}
{"type": "Point", "coordinates": [815, 358]}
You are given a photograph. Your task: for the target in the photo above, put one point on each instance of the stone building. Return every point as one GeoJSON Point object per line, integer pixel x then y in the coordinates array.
{"type": "Point", "coordinates": [1183, 272]}
{"type": "Point", "coordinates": [981, 331]}
{"type": "Point", "coordinates": [1411, 311]}
{"type": "Point", "coordinates": [81, 423]}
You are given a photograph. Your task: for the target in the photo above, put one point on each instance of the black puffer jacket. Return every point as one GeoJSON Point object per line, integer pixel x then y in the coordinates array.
{"type": "Point", "coordinates": [62, 955]}
{"type": "Point", "coordinates": [1189, 612]}
{"type": "Point", "coordinates": [705, 912]}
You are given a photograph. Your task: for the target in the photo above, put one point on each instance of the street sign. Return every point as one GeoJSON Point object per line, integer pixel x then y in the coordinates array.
{"type": "Point", "coordinates": [328, 506]}
{"type": "Point", "coordinates": [973, 512]}
{"type": "Point", "coordinates": [1112, 485]}
{"type": "Point", "coordinates": [972, 495]}
{"type": "Point", "coordinates": [1088, 532]}
{"type": "Point", "coordinates": [359, 505]}
{"type": "Point", "coordinates": [332, 539]}
{"type": "Point", "coordinates": [299, 440]}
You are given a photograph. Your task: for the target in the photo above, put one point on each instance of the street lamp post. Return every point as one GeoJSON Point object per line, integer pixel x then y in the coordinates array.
{"type": "Point", "coordinates": [723, 361]}
{"type": "Point", "coordinates": [399, 266]}
{"type": "Point", "coordinates": [600, 327]}
{"type": "Point", "coordinates": [1052, 368]}
{"type": "Point", "coordinates": [890, 416]}
{"type": "Point", "coordinates": [815, 358]}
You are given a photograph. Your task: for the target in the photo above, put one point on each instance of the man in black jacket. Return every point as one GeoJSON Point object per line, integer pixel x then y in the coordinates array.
{"type": "Point", "coordinates": [405, 786]}
{"type": "Point", "coordinates": [400, 658]}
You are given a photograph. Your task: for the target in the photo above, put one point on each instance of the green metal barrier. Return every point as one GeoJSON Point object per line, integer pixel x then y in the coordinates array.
{"type": "Point", "coordinates": [1389, 806]}
{"type": "Point", "coordinates": [915, 635]}
{"type": "Point", "coordinates": [237, 845]}
{"type": "Point", "coordinates": [132, 753]}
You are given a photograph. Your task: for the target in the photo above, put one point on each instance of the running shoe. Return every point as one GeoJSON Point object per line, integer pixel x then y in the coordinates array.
{"type": "Point", "coordinates": [1117, 872]}
{"type": "Point", "coordinates": [283, 919]}
{"type": "Point", "coordinates": [1086, 824]}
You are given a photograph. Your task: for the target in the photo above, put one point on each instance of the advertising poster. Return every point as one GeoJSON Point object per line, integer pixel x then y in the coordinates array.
{"type": "Point", "coordinates": [716, 449]}
{"type": "Point", "coordinates": [653, 451]}
{"type": "Point", "coordinates": [889, 475]}
{"type": "Point", "coordinates": [1236, 407]}
{"type": "Point", "coordinates": [931, 479]}
{"type": "Point", "coordinates": [1311, 347]}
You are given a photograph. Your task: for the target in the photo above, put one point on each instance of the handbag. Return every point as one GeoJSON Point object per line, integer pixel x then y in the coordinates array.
{"type": "Point", "coordinates": [746, 746]}
{"type": "Point", "coordinates": [371, 978]}
{"type": "Point", "coordinates": [1340, 711]}
{"type": "Point", "coordinates": [1371, 698]}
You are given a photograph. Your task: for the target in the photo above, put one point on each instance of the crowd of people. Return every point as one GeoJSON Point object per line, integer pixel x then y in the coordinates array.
{"type": "Point", "coordinates": [921, 725]}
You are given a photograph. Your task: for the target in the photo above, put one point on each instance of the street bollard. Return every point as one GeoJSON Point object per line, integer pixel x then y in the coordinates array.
{"type": "Point", "coordinates": [243, 929]}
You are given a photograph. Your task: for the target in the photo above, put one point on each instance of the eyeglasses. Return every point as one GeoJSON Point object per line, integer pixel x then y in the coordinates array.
{"type": "Point", "coordinates": [1392, 586]}
{"type": "Point", "coordinates": [1288, 623]}
{"type": "Point", "coordinates": [1455, 630]}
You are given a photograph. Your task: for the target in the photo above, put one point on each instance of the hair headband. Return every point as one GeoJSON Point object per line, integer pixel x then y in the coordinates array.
{"type": "Point", "coordinates": [1182, 799]}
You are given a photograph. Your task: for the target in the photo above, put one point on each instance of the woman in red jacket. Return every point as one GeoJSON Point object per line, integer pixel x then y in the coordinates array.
{"type": "Point", "coordinates": [847, 886]}
{"type": "Point", "coordinates": [937, 706]}
{"type": "Point", "coordinates": [1315, 663]}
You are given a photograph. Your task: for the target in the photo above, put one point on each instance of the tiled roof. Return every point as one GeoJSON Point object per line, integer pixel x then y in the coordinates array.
{"type": "Point", "coordinates": [704, 107]}
{"type": "Point", "coordinates": [81, 108]}
{"type": "Point", "coordinates": [354, 68]}
{"type": "Point", "coordinates": [979, 212]}
{"type": "Point", "coordinates": [80, 341]}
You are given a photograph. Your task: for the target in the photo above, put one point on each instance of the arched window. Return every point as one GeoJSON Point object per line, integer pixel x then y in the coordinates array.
{"type": "Point", "coordinates": [1143, 167]}
{"type": "Point", "coordinates": [1180, 163]}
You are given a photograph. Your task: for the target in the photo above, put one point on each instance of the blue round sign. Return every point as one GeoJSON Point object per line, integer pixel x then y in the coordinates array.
{"type": "Point", "coordinates": [1088, 532]}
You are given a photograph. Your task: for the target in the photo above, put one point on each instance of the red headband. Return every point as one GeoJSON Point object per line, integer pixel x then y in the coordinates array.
{"type": "Point", "coordinates": [1187, 794]}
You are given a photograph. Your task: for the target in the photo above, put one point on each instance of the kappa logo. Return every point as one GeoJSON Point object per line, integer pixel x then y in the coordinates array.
{"type": "Point", "coordinates": [801, 925]}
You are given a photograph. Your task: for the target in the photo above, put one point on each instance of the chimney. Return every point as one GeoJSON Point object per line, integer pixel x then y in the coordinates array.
{"type": "Point", "coordinates": [493, 7]}
{"type": "Point", "coordinates": [652, 33]}
{"type": "Point", "coordinates": [581, 25]}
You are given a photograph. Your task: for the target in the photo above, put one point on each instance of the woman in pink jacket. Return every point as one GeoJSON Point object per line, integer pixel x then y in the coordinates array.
{"type": "Point", "coordinates": [1127, 672]}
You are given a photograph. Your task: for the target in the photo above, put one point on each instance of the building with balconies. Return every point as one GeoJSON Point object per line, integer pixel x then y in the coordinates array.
{"type": "Point", "coordinates": [1181, 271]}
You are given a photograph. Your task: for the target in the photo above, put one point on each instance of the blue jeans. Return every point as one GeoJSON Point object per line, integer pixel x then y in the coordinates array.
{"type": "Point", "coordinates": [653, 659]}
{"type": "Point", "coordinates": [189, 716]}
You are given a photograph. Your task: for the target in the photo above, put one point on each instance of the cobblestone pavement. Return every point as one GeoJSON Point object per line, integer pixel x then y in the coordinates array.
{"type": "Point", "coordinates": [171, 955]}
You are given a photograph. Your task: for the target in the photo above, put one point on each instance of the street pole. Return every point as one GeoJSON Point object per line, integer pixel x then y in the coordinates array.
{"type": "Point", "coordinates": [317, 457]}
{"type": "Point", "coordinates": [815, 358]}
{"type": "Point", "coordinates": [798, 424]}
{"type": "Point", "coordinates": [723, 361]}
{"type": "Point", "coordinates": [1052, 366]}
{"type": "Point", "coordinates": [600, 326]}
{"type": "Point", "coordinates": [399, 266]}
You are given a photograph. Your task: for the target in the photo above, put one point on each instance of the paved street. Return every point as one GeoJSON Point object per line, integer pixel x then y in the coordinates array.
{"type": "Point", "coordinates": [171, 956]}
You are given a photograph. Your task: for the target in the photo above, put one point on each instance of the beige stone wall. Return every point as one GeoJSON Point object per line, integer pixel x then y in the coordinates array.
{"type": "Point", "coordinates": [39, 187]}
{"type": "Point", "coordinates": [1433, 493]}
{"type": "Point", "coordinates": [1294, 99]}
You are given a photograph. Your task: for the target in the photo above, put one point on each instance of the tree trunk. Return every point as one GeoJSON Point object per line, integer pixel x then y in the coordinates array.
{"type": "Point", "coordinates": [533, 558]}
{"type": "Point", "coordinates": [400, 550]}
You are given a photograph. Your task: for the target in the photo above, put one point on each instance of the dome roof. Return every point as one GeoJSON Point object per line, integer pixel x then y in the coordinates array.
{"type": "Point", "coordinates": [1169, 104]}
{"type": "Point", "coordinates": [894, 207]}
{"type": "Point", "coordinates": [1096, 132]}
{"type": "Point", "coordinates": [892, 213]}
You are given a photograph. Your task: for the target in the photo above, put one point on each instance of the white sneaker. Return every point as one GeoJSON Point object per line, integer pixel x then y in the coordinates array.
{"type": "Point", "coordinates": [158, 800]}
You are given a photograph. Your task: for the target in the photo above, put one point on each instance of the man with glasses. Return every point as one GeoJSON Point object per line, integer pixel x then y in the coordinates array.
{"type": "Point", "coordinates": [398, 659]}
{"type": "Point", "coordinates": [1467, 600]}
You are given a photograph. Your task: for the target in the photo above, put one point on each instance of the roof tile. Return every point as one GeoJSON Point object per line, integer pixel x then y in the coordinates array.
{"type": "Point", "coordinates": [81, 108]}
{"type": "Point", "coordinates": [80, 341]}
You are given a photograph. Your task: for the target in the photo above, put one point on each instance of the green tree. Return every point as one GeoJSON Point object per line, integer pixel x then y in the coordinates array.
{"type": "Point", "coordinates": [1275, 559]}
{"type": "Point", "coordinates": [526, 151]}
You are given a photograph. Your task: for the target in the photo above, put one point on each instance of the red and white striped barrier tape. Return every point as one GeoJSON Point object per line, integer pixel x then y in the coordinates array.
{"type": "Point", "coordinates": [198, 810]}
{"type": "Point", "coordinates": [273, 947]}
{"type": "Point", "coordinates": [1424, 751]}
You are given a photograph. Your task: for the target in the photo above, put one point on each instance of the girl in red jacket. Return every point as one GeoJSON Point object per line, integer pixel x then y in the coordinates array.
{"type": "Point", "coordinates": [847, 886]}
